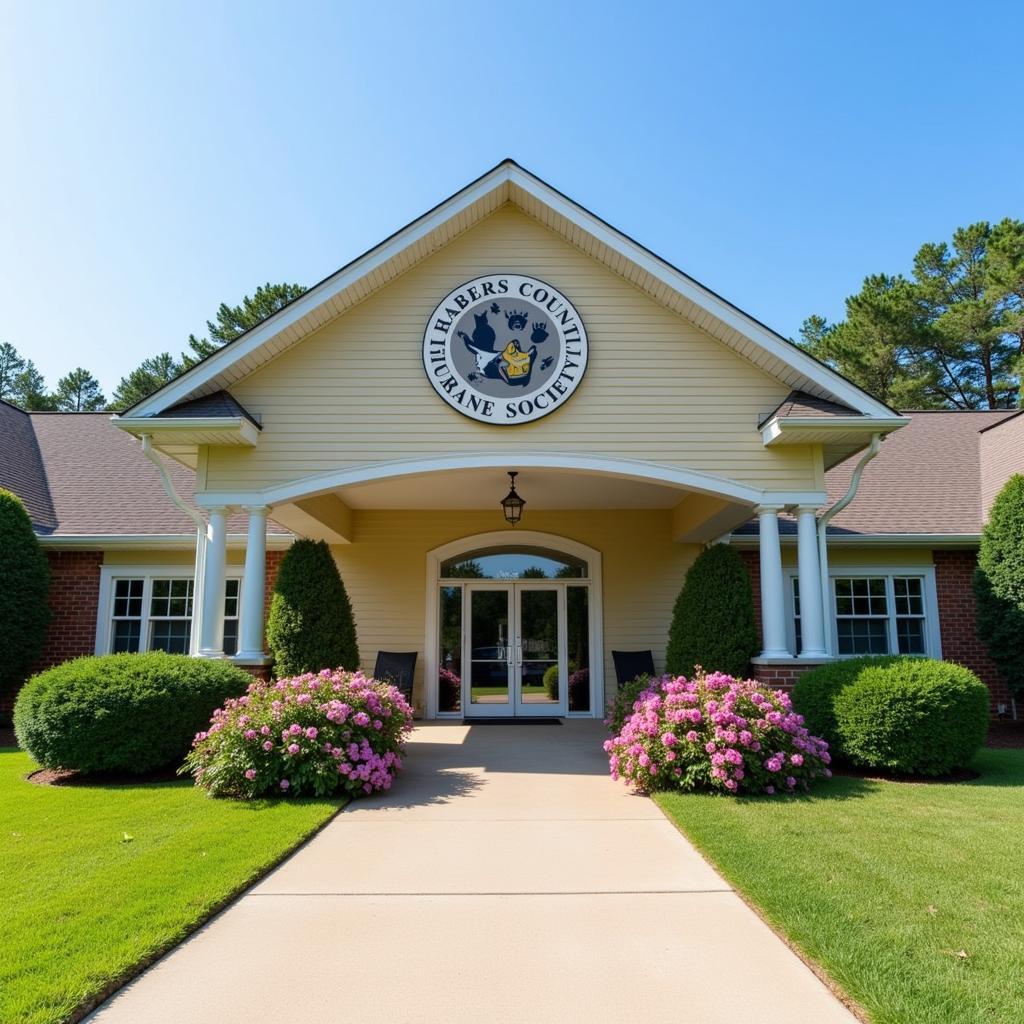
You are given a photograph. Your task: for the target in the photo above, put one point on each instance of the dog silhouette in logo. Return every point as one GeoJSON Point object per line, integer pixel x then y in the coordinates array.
{"type": "Point", "coordinates": [509, 364]}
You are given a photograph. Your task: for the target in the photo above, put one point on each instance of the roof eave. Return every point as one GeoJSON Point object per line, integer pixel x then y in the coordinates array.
{"type": "Point", "coordinates": [783, 430]}
{"type": "Point", "coordinates": [231, 431]}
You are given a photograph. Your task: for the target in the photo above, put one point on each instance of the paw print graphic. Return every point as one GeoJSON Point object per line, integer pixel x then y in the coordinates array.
{"type": "Point", "coordinates": [540, 332]}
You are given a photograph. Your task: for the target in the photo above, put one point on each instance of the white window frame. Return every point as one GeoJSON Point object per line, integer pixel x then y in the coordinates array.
{"type": "Point", "coordinates": [147, 573]}
{"type": "Point", "coordinates": [926, 573]}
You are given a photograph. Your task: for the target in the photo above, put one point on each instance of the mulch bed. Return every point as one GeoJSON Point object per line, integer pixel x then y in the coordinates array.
{"type": "Point", "coordinates": [68, 777]}
{"type": "Point", "coordinates": [1006, 735]}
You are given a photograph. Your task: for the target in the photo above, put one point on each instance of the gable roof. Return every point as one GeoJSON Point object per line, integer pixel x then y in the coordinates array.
{"type": "Point", "coordinates": [96, 481]}
{"type": "Point", "coordinates": [510, 183]}
{"type": "Point", "coordinates": [925, 480]}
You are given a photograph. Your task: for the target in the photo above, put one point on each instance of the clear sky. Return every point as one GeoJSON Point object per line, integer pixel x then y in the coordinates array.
{"type": "Point", "coordinates": [157, 158]}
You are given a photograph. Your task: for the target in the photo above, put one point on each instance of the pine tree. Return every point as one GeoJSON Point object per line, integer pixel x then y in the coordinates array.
{"type": "Point", "coordinates": [11, 365]}
{"type": "Point", "coordinates": [149, 376]}
{"type": "Point", "coordinates": [79, 391]}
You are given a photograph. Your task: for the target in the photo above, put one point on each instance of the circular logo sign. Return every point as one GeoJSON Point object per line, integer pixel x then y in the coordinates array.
{"type": "Point", "coordinates": [505, 349]}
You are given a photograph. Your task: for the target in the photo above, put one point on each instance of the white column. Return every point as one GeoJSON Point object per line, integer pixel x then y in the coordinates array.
{"type": "Point", "coordinates": [812, 626]}
{"type": "Point", "coordinates": [251, 640]}
{"type": "Point", "coordinates": [211, 625]}
{"type": "Point", "coordinates": [773, 617]}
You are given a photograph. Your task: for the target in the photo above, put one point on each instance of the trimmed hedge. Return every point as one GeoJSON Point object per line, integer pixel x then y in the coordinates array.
{"type": "Point", "coordinates": [911, 716]}
{"type": "Point", "coordinates": [713, 618]}
{"type": "Point", "coordinates": [24, 609]}
{"type": "Point", "coordinates": [999, 583]}
{"type": "Point", "coordinates": [310, 626]}
{"type": "Point", "coordinates": [131, 713]}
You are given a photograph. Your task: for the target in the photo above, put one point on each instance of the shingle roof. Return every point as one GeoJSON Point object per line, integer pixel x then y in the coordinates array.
{"type": "Point", "coordinates": [101, 484]}
{"type": "Point", "coordinates": [925, 480]}
{"type": "Point", "coordinates": [220, 403]}
{"type": "Point", "coordinates": [21, 469]}
{"type": "Point", "coordinates": [800, 403]}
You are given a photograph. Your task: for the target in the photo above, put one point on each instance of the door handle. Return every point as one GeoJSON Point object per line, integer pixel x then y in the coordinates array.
{"type": "Point", "coordinates": [519, 654]}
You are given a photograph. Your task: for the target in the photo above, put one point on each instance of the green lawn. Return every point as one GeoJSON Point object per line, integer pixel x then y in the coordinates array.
{"type": "Point", "coordinates": [83, 904]}
{"type": "Point", "coordinates": [910, 896]}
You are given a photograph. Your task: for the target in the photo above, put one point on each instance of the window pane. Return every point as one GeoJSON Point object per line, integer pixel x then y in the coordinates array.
{"type": "Point", "coordinates": [171, 635]}
{"type": "Point", "coordinates": [910, 634]}
{"type": "Point", "coordinates": [578, 629]}
{"type": "Point", "coordinates": [231, 598]}
{"type": "Point", "coordinates": [171, 597]}
{"type": "Point", "coordinates": [863, 636]}
{"type": "Point", "coordinates": [909, 599]}
{"type": "Point", "coordinates": [128, 598]}
{"type": "Point", "coordinates": [450, 647]}
{"type": "Point", "coordinates": [230, 636]}
{"type": "Point", "coordinates": [126, 636]}
{"type": "Point", "coordinates": [514, 564]}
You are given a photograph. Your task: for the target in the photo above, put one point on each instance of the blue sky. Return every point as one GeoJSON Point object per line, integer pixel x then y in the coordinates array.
{"type": "Point", "coordinates": [159, 158]}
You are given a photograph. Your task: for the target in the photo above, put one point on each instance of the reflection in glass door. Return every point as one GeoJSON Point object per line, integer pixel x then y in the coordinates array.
{"type": "Point", "coordinates": [540, 620]}
{"type": "Point", "coordinates": [490, 650]}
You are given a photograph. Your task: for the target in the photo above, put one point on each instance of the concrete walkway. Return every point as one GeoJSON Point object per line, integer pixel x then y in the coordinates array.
{"type": "Point", "coordinates": [505, 878]}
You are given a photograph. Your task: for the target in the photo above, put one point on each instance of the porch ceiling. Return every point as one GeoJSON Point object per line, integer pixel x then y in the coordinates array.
{"type": "Point", "coordinates": [484, 489]}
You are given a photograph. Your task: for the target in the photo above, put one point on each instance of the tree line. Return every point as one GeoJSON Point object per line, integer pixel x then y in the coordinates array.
{"type": "Point", "coordinates": [23, 385]}
{"type": "Point", "coordinates": [950, 336]}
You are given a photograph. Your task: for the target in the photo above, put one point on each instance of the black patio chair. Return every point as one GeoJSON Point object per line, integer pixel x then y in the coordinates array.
{"type": "Point", "coordinates": [397, 669]}
{"type": "Point", "coordinates": [630, 664]}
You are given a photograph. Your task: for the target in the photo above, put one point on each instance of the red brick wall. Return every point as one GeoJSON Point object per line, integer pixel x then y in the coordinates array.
{"type": "Point", "coordinates": [273, 564]}
{"type": "Point", "coordinates": [960, 643]}
{"type": "Point", "coordinates": [74, 596]}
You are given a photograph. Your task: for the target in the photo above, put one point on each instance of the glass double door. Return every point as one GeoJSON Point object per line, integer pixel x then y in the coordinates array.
{"type": "Point", "coordinates": [514, 646]}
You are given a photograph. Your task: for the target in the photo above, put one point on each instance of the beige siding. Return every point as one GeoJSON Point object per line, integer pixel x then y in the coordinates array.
{"type": "Point", "coordinates": [385, 572]}
{"type": "Point", "coordinates": [657, 387]}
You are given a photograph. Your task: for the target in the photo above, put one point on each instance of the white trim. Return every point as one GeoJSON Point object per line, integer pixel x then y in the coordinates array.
{"type": "Point", "coordinates": [880, 540]}
{"type": "Point", "coordinates": [633, 469]}
{"type": "Point", "coordinates": [526, 538]}
{"type": "Point", "coordinates": [933, 627]}
{"type": "Point", "coordinates": [779, 426]}
{"type": "Point", "coordinates": [105, 601]}
{"type": "Point", "coordinates": [506, 173]}
{"type": "Point", "coordinates": [247, 431]}
{"type": "Point", "coordinates": [154, 541]}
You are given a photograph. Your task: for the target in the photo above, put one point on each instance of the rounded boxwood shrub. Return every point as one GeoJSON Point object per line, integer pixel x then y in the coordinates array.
{"type": "Point", "coordinates": [310, 626]}
{"type": "Point", "coordinates": [129, 713]}
{"type": "Point", "coordinates": [316, 734]}
{"type": "Point", "coordinates": [914, 716]}
{"type": "Point", "coordinates": [713, 618]}
{"type": "Point", "coordinates": [815, 692]}
{"type": "Point", "coordinates": [715, 732]}
{"type": "Point", "coordinates": [24, 611]}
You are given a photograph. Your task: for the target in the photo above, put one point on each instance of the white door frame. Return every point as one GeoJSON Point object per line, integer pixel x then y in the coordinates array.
{"type": "Point", "coordinates": [526, 538]}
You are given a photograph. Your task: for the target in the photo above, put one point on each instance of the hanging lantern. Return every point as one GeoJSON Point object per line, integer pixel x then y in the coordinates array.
{"type": "Point", "coordinates": [512, 503]}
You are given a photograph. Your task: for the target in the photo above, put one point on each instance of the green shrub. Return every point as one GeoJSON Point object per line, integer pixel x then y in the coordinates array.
{"type": "Point", "coordinates": [310, 626]}
{"type": "Point", "coordinates": [621, 706]}
{"type": "Point", "coordinates": [912, 716]}
{"type": "Point", "coordinates": [24, 610]}
{"type": "Point", "coordinates": [121, 712]}
{"type": "Point", "coordinates": [713, 618]}
{"type": "Point", "coordinates": [815, 692]}
{"type": "Point", "coordinates": [999, 583]}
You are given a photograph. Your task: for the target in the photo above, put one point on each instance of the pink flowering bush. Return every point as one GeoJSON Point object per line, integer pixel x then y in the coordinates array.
{"type": "Point", "coordinates": [318, 734]}
{"type": "Point", "coordinates": [715, 732]}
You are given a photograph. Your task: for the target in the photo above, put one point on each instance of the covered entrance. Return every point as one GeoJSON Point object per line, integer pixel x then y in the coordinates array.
{"type": "Point", "coordinates": [515, 627]}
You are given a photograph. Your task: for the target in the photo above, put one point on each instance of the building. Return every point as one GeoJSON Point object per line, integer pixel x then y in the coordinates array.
{"type": "Point", "coordinates": [511, 330]}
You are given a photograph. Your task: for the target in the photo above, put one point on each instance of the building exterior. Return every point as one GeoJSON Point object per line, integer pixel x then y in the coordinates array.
{"type": "Point", "coordinates": [511, 330]}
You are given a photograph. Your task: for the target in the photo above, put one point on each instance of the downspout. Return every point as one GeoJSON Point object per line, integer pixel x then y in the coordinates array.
{"type": "Point", "coordinates": [193, 514]}
{"type": "Point", "coordinates": [823, 521]}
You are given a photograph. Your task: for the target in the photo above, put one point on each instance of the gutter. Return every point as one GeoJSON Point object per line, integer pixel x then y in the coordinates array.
{"type": "Point", "coordinates": [201, 536]}
{"type": "Point", "coordinates": [824, 520]}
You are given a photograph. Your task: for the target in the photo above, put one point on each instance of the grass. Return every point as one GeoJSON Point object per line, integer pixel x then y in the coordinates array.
{"type": "Point", "coordinates": [910, 896]}
{"type": "Point", "coordinates": [97, 880]}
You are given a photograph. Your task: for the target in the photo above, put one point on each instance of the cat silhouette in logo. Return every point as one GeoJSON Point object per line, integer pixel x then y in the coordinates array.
{"type": "Point", "coordinates": [482, 347]}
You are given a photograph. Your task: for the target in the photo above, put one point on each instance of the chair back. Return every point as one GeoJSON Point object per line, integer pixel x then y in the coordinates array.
{"type": "Point", "coordinates": [630, 664]}
{"type": "Point", "coordinates": [396, 668]}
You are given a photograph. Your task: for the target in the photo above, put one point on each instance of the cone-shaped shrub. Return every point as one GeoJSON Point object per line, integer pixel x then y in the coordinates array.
{"type": "Point", "coordinates": [713, 618]}
{"type": "Point", "coordinates": [24, 611]}
{"type": "Point", "coordinates": [311, 626]}
{"type": "Point", "coordinates": [999, 583]}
